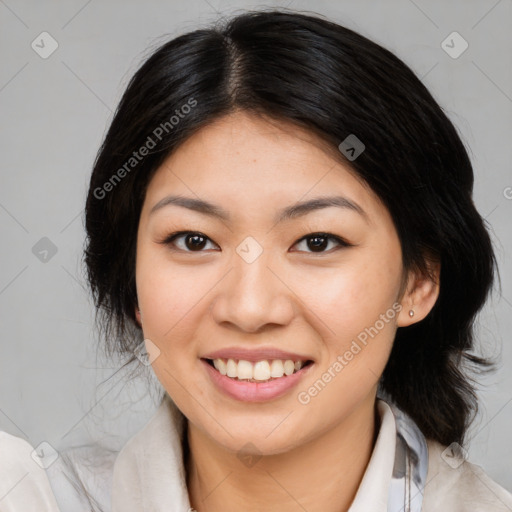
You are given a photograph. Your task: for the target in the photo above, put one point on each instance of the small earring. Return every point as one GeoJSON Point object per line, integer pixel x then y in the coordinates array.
{"type": "Point", "coordinates": [411, 312]}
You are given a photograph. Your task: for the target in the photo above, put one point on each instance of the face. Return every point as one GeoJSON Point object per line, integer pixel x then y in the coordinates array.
{"type": "Point", "coordinates": [245, 281]}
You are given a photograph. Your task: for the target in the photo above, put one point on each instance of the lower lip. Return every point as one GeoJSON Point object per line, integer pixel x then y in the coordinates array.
{"type": "Point", "coordinates": [255, 391]}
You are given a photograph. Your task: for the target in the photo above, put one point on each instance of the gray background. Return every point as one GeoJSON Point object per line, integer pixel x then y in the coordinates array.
{"type": "Point", "coordinates": [54, 113]}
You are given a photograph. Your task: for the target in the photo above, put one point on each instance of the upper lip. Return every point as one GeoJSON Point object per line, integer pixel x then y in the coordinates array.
{"type": "Point", "coordinates": [259, 354]}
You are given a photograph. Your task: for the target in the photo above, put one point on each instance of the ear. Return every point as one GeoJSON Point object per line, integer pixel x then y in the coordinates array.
{"type": "Point", "coordinates": [138, 316]}
{"type": "Point", "coordinates": [420, 296]}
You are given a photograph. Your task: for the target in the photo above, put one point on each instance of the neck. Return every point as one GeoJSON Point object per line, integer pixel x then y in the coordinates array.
{"type": "Point", "coordinates": [334, 463]}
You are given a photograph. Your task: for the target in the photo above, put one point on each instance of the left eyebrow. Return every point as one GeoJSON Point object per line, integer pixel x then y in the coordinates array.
{"type": "Point", "coordinates": [304, 207]}
{"type": "Point", "coordinates": [290, 212]}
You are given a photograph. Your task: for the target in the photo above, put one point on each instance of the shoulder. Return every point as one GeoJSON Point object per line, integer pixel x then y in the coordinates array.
{"type": "Point", "coordinates": [455, 484]}
{"type": "Point", "coordinates": [24, 484]}
{"type": "Point", "coordinates": [134, 453]}
{"type": "Point", "coordinates": [82, 477]}
{"type": "Point", "coordinates": [164, 429]}
{"type": "Point", "coordinates": [150, 465]}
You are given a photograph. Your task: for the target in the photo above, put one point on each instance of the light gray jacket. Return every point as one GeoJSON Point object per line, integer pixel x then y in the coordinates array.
{"type": "Point", "coordinates": [148, 476]}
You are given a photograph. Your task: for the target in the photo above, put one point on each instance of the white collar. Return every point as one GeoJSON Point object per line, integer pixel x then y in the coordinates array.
{"type": "Point", "coordinates": [149, 474]}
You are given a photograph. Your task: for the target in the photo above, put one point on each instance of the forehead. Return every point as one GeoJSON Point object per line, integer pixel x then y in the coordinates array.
{"type": "Point", "coordinates": [242, 158]}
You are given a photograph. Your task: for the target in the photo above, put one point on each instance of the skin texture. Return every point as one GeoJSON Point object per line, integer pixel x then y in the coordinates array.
{"type": "Point", "coordinates": [290, 297]}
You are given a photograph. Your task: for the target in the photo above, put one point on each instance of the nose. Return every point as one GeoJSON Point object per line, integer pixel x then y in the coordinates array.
{"type": "Point", "coordinates": [253, 296]}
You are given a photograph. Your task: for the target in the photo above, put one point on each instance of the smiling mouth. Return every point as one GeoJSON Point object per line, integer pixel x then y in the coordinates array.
{"type": "Point", "coordinates": [257, 371]}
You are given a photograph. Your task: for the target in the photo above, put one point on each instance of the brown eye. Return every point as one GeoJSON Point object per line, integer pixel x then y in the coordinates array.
{"type": "Point", "coordinates": [317, 242]}
{"type": "Point", "coordinates": [191, 241]}
{"type": "Point", "coordinates": [195, 242]}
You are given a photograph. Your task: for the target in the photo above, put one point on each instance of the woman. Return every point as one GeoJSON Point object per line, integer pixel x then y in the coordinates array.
{"type": "Point", "coordinates": [281, 216]}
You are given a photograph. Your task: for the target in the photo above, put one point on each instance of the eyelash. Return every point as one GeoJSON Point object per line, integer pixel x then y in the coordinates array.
{"type": "Point", "coordinates": [169, 239]}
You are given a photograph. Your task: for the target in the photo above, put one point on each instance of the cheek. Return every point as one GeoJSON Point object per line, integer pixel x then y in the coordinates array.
{"type": "Point", "coordinates": [175, 300]}
{"type": "Point", "coordinates": [171, 300]}
{"type": "Point", "coordinates": [352, 309]}
{"type": "Point", "coordinates": [355, 315]}
{"type": "Point", "coordinates": [168, 293]}
{"type": "Point", "coordinates": [349, 298]}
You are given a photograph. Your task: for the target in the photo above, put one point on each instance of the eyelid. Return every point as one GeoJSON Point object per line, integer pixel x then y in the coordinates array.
{"type": "Point", "coordinates": [168, 239]}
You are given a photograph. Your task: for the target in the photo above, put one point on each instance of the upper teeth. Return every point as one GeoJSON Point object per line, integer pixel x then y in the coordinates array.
{"type": "Point", "coordinates": [258, 370]}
